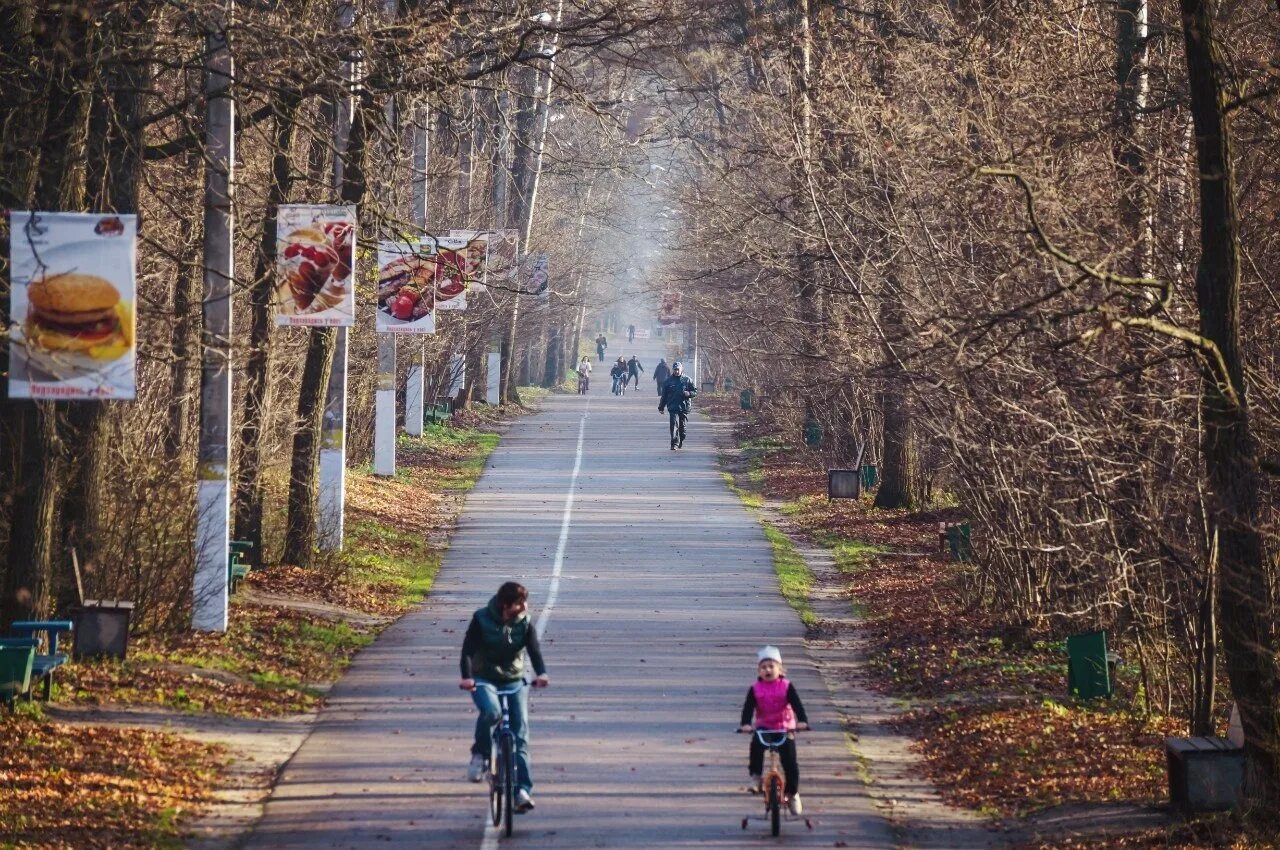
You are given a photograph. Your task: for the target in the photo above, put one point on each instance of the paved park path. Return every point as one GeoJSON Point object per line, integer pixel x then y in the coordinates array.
{"type": "Point", "coordinates": [652, 613]}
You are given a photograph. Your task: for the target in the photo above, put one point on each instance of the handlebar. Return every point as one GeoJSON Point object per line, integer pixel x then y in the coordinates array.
{"type": "Point", "coordinates": [509, 690]}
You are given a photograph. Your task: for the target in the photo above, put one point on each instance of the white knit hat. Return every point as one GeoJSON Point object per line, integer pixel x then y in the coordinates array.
{"type": "Point", "coordinates": [769, 653]}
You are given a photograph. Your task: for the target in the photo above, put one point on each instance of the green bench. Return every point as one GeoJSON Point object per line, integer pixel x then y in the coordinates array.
{"type": "Point", "coordinates": [15, 670]}
{"type": "Point", "coordinates": [26, 636]}
{"type": "Point", "coordinates": [441, 411]}
{"type": "Point", "coordinates": [237, 566]}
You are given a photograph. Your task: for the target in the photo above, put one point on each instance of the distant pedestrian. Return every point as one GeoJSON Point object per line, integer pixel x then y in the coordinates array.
{"type": "Point", "coordinates": [660, 374]}
{"type": "Point", "coordinates": [676, 394]}
{"type": "Point", "coordinates": [631, 333]}
{"type": "Point", "coordinates": [633, 370]}
{"type": "Point", "coordinates": [601, 345]}
{"type": "Point", "coordinates": [772, 705]}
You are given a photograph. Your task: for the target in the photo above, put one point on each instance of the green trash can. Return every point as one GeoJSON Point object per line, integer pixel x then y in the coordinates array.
{"type": "Point", "coordinates": [960, 542]}
{"type": "Point", "coordinates": [746, 399]}
{"type": "Point", "coordinates": [870, 476]}
{"type": "Point", "coordinates": [812, 433]}
{"type": "Point", "coordinates": [728, 385]}
{"type": "Point", "coordinates": [1088, 671]}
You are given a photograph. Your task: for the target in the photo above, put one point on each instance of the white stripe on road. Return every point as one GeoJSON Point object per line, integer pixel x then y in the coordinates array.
{"type": "Point", "coordinates": [554, 590]}
{"type": "Point", "coordinates": [491, 832]}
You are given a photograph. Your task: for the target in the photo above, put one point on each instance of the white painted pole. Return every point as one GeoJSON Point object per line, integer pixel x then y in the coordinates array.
{"type": "Point", "coordinates": [331, 499]}
{"type": "Point", "coordinates": [213, 496]}
{"type": "Point", "coordinates": [413, 390]}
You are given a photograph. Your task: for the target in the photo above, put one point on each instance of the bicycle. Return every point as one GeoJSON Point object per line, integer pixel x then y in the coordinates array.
{"type": "Point", "coordinates": [583, 383]}
{"type": "Point", "coordinates": [502, 760]}
{"type": "Point", "coordinates": [772, 784]}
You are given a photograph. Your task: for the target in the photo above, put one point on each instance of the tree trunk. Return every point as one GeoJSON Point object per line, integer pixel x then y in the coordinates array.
{"type": "Point", "coordinates": [257, 373]}
{"type": "Point", "coordinates": [1230, 448]}
{"type": "Point", "coordinates": [300, 532]}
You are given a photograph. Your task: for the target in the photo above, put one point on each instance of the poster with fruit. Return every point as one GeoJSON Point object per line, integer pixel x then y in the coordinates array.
{"type": "Point", "coordinates": [71, 306]}
{"type": "Point", "coordinates": [315, 256]}
{"type": "Point", "coordinates": [406, 288]}
{"type": "Point", "coordinates": [452, 280]}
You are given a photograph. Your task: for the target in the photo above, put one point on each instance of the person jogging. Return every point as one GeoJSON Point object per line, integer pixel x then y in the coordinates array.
{"type": "Point", "coordinates": [677, 393]}
{"type": "Point", "coordinates": [633, 370]}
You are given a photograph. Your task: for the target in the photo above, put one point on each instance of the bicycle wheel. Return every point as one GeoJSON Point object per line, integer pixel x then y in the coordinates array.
{"type": "Point", "coordinates": [496, 771]}
{"type": "Point", "coordinates": [775, 804]}
{"type": "Point", "coordinates": [509, 783]}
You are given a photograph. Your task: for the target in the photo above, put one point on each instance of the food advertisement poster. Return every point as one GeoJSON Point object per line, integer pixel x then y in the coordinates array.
{"type": "Point", "coordinates": [72, 305]}
{"type": "Point", "coordinates": [451, 273]}
{"type": "Point", "coordinates": [475, 256]}
{"type": "Point", "coordinates": [669, 310]}
{"type": "Point", "coordinates": [504, 255]}
{"type": "Point", "coordinates": [537, 280]}
{"type": "Point", "coordinates": [406, 288]}
{"type": "Point", "coordinates": [315, 255]}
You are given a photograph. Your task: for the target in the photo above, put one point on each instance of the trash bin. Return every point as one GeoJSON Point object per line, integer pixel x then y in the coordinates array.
{"type": "Point", "coordinates": [102, 628]}
{"type": "Point", "coordinates": [1088, 673]}
{"type": "Point", "coordinates": [812, 433]}
{"type": "Point", "coordinates": [746, 398]}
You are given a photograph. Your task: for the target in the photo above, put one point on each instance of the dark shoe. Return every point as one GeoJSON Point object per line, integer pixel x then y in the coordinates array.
{"type": "Point", "coordinates": [673, 445]}
{"type": "Point", "coordinates": [680, 445]}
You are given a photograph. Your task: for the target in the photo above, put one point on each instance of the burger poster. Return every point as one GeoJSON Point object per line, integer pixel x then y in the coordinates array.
{"type": "Point", "coordinates": [71, 308]}
{"type": "Point", "coordinates": [452, 278]}
{"type": "Point", "coordinates": [315, 255]}
{"type": "Point", "coordinates": [669, 312]}
{"type": "Point", "coordinates": [406, 288]}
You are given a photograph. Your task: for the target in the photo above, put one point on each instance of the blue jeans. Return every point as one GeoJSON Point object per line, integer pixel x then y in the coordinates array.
{"type": "Point", "coordinates": [490, 713]}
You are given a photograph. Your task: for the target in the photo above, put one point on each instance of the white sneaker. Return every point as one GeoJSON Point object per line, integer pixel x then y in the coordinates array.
{"type": "Point", "coordinates": [757, 784]}
{"type": "Point", "coordinates": [478, 768]}
{"type": "Point", "coordinates": [524, 803]}
{"type": "Point", "coordinates": [794, 804]}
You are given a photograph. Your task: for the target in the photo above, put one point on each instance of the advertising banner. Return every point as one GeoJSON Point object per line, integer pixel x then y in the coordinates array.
{"type": "Point", "coordinates": [406, 288]}
{"type": "Point", "coordinates": [71, 307]}
{"type": "Point", "coordinates": [475, 256]}
{"type": "Point", "coordinates": [669, 311]}
{"type": "Point", "coordinates": [315, 255]}
{"type": "Point", "coordinates": [504, 256]}
{"type": "Point", "coordinates": [536, 280]}
{"type": "Point", "coordinates": [451, 273]}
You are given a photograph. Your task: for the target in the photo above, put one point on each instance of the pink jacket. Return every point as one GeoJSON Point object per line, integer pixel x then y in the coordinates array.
{"type": "Point", "coordinates": [772, 709]}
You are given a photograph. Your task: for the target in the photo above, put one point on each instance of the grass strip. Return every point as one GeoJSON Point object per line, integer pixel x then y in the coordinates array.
{"type": "Point", "coordinates": [795, 580]}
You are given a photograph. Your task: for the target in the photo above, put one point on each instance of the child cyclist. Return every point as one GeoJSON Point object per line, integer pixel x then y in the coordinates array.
{"type": "Point", "coordinates": [776, 706]}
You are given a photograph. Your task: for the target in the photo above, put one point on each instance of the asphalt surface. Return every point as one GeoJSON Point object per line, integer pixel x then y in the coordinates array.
{"type": "Point", "coordinates": [666, 591]}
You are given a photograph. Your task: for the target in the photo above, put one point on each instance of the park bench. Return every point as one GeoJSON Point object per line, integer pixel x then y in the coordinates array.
{"type": "Point", "coordinates": [440, 411]}
{"type": "Point", "coordinates": [26, 634]}
{"type": "Point", "coordinates": [237, 566]}
{"type": "Point", "coordinates": [16, 662]}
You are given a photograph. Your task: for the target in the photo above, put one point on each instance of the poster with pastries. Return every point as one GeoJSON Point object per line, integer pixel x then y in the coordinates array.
{"type": "Point", "coordinates": [452, 279]}
{"type": "Point", "coordinates": [406, 288]}
{"type": "Point", "coordinates": [315, 262]}
{"type": "Point", "coordinates": [72, 306]}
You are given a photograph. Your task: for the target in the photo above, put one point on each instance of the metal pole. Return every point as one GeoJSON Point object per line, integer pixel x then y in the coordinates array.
{"type": "Point", "coordinates": [413, 390]}
{"type": "Point", "coordinates": [213, 497]}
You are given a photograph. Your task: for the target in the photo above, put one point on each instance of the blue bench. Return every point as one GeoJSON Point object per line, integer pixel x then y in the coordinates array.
{"type": "Point", "coordinates": [26, 633]}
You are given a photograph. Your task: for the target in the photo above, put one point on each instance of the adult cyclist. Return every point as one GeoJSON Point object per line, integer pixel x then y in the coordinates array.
{"type": "Point", "coordinates": [493, 651]}
{"type": "Point", "coordinates": [677, 391]}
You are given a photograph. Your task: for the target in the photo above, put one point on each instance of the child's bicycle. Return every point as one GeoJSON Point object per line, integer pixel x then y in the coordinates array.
{"type": "Point", "coordinates": [773, 785]}
{"type": "Point", "coordinates": [502, 760]}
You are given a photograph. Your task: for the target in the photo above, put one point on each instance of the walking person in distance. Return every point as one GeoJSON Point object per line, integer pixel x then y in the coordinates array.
{"type": "Point", "coordinates": [660, 374]}
{"type": "Point", "coordinates": [677, 392]}
{"type": "Point", "coordinates": [633, 370]}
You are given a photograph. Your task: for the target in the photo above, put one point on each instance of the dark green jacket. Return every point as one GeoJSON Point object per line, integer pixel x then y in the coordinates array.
{"type": "Point", "coordinates": [494, 651]}
{"type": "Point", "coordinates": [673, 394]}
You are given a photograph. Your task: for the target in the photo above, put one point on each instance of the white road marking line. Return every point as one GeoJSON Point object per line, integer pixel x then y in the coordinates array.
{"type": "Point", "coordinates": [491, 832]}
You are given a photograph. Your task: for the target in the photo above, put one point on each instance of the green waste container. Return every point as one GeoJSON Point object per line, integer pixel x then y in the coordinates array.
{"type": "Point", "coordinates": [746, 399]}
{"type": "Point", "coordinates": [1088, 671]}
{"type": "Point", "coordinates": [960, 542]}
{"type": "Point", "coordinates": [870, 476]}
{"type": "Point", "coordinates": [812, 433]}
